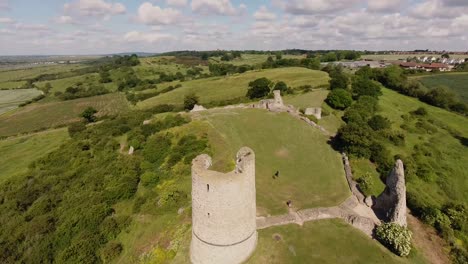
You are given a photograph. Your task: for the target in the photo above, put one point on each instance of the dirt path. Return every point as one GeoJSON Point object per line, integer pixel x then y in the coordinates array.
{"type": "Point", "coordinates": [428, 242]}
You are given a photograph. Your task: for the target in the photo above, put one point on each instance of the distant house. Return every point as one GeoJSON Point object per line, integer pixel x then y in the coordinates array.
{"type": "Point", "coordinates": [426, 66]}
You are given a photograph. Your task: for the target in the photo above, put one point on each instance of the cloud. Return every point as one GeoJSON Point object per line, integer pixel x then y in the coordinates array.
{"type": "Point", "coordinates": [303, 7]}
{"type": "Point", "coordinates": [154, 15]}
{"type": "Point", "coordinates": [455, 2]}
{"type": "Point", "coordinates": [148, 37]}
{"type": "Point", "coordinates": [216, 7]}
{"type": "Point", "coordinates": [65, 20]}
{"type": "Point", "coordinates": [6, 20]}
{"type": "Point", "coordinates": [178, 3]}
{"type": "Point", "coordinates": [386, 5]}
{"type": "Point", "coordinates": [264, 14]}
{"type": "Point", "coordinates": [437, 9]}
{"type": "Point", "coordinates": [94, 8]}
{"type": "Point", "coordinates": [4, 5]}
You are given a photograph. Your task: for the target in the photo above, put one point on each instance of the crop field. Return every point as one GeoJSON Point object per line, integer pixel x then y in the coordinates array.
{"type": "Point", "coordinates": [48, 115]}
{"type": "Point", "coordinates": [456, 82]}
{"type": "Point", "coordinates": [19, 152]}
{"type": "Point", "coordinates": [61, 85]}
{"type": "Point", "coordinates": [224, 88]}
{"type": "Point", "coordinates": [10, 99]}
{"type": "Point", "coordinates": [446, 143]}
{"type": "Point", "coordinates": [404, 56]}
{"type": "Point", "coordinates": [27, 73]}
{"type": "Point", "coordinates": [310, 172]}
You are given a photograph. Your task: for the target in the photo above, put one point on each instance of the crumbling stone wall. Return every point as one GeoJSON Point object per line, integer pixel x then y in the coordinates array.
{"type": "Point", "coordinates": [223, 211]}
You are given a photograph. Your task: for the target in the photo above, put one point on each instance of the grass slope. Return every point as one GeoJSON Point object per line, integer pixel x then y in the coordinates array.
{"type": "Point", "coordinates": [457, 82]}
{"type": "Point", "coordinates": [10, 99]}
{"type": "Point", "coordinates": [326, 241]}
{"type": "Point", "coordinates": [452, 154]}
{"type": "Point", "coordinates": [61, 85]}
{"type": "Point", "coordinates": [223, 88]}
{"type": "Point", "coordinates": [27, 73]}
{"type": "Point", "coordinates": [310, 172]}
{"type": "Point", "coordinates": [46, 115]}
{"type": "Point", "coordinates": [17, 153]}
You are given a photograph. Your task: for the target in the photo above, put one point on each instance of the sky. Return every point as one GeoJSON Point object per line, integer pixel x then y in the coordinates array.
{"type": "Point", "coordinates": [66, 27]}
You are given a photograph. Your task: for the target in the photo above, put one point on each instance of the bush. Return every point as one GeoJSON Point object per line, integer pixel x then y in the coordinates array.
{"type": "Point", "coordinates": [76, 128]}
{"type": "Point", "coordinates": [379, 122]}
{"type": "Point", "coordinates": [111, 251]}
{"type": "Point", "coordinates": [363, 86]}
{"type": "Point", "coordinates": [421, 111]}
{"type": "Point", "coordinates": [281, 86]}
{"type": "Point", "coordinates": [395, 237]}
{"type": "Point", "coordinates": [190, 101]}
{"type": "Point", "coordinates": [259, 88]}
{"type": "Point", "coordinates": [89, 114]}
{"type": "Point", "coordinates": [339, 99]}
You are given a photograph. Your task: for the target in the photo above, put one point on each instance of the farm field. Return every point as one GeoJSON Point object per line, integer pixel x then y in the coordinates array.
{"type": "Point", "coordinates": [11, 84]}
{"type": "Point", "coordinates": [7, 75]}
{"type": "Point", "coordinates": [19, 152]}
{"type": "Point", "coordinates": [253, 59]}
{"type": "Point", "coordinates": [311, 173]}
{"type": "Point", "coordinates": [224, 88]}
{"type": "Point", "coordinates": [404, 56]}
{"type": "Point", "coordinates": [10, 99]}
{"type": "Point", "coordinates": [456, 82]}
{"type": "Point", "coordinates": [61, 85]}
{"type": "Point", "coordinates": [445, 142]}
{"type": "Point", "coordinates": [41, 116]}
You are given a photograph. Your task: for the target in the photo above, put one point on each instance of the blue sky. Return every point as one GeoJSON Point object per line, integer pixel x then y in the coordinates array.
{"type": "Point", "coordinates": [109, 26]}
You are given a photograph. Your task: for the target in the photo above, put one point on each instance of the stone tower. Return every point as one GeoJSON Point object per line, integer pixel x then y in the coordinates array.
{"type": "Point", "coordinates": [224, 229]}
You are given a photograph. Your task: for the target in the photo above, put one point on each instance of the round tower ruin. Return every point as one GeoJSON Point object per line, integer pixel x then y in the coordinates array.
{"type": "Point", "coordinates": [224, 229]}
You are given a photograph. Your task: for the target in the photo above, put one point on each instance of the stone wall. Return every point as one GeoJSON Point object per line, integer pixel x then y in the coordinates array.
{"type": "Point", "coordinates": [223, 211]}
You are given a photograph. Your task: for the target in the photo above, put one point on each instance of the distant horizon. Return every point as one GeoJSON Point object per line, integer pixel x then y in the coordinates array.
{"type": "Point", "coordinates": [115, 26]}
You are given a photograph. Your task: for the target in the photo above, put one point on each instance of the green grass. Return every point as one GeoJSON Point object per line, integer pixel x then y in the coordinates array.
{"type": "Point", "coordinates": [457, 82]}
{"type": "Point", "coordinates": [11, 84]}
{"type": "Point", "coordinates": [326, 241]}
{"type": "Point", "coordinates": [17, 153]}
{"type": "Point", "coordinates": [10, 99]}
{"type": "Point", "coordinates": [40, 116]}
{"type": "Point", "coordinates": [306, 100]}
{"type": "Point", "coordinates": [362, 167]}
{"type": "Point", "coordinates": [253, 59]}
{"type": "Point", "coordinates": [61, 85]}
{"type": "Point", "coordinates": [223, 88]}
{"type": "Point", "coordinates": [28, 73]}
{"type": "Point", "coordinates": [451, 183]}
{"type": "Point", "coordinates": [311, 173]}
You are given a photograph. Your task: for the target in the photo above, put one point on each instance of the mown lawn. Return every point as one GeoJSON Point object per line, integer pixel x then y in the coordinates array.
{"type": "Point", "coordinates": [224, 88]}
{"type": "Point", "coordinates": [17, 153]}
{"type": "Point", "coordinates": [41, 116]}
{"type": "Point", "coordinates": [326, 241]}
{"type": "Point", "coordinates": [456, 82]}
{"type": "Point", "coordinates": [310, 172]}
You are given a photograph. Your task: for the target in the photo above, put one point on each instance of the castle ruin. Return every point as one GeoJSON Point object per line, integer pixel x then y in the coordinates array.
{"type": "Point", "coordinates": [224, 226]}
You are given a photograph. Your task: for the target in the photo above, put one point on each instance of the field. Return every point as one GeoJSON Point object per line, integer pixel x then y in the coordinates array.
{"type": "Point", "coordinates": [311, 173]}
{"type": "Point", "coordinates": [253, 59]}
{"type": "Point", "coordinates": [11, 84]}
{"type": "Point", "coordinates": [456, 82]}
{"type": "Point", "coordinates": [10, 99]}
{"type": "Point", "coordinates": [48, 115]}
{"type": "Point", "coordinates": [19, 152]}
{"type": "Point", "coordinates": [449, 154]}
{"type": "Point", "coordinates": [27, 73]}
{"type": "Point", "coordinates": [152, 65]}
{"type": "Point", "coordinates": [404, 56]}
{"type": "Point", "coordinates": [61, 85]}
{"type": "Point", "coordinates": [224, 88]}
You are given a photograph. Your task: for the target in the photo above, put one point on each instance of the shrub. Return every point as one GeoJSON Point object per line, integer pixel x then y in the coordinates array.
{"type": "Point", "coordinates": [421, 111]}
{"type": "Point", "coordinates": [281, 86]}
{"type": "Point", "coordinates": [339, 99]}
{"type": "Point", "coordinates": [76, 128]}
{"type": "Point", "coordinates": [89, 114]}
{"type": "Point", "coordinates": [111, 251]}
{"type": "Point", "coordinates": [379, 122]}
{"type": "Point", "coordinates": [364, 86]}
{"type": "Point", "coordinates": [365, 183]}
{"type": "Point", "coordinates": [190, 101]}
{"type": "Point", "coordinates": [395, 237]}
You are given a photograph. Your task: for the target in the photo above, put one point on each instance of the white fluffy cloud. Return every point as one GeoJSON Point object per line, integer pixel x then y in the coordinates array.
{"type": "Point", "coordinates": [155, 15]}
{"type": "Point", "coordinates": [386, 5]}
{"type": "Point", "coordinates": [318, 6]}
{"type": "Point", "coordinates": [6, 20]}
{"type": "Point", "coordinates": [65, 20]}
{"type": "Point", "coordinates": [264, 14]}
{"type": "Point", "coordinates": [148, 37]}
{"type": "Point", "coordinates": [95, 8]}
{"type": "Point", "coordinates": [178, 3]}
{"type": "Point", "coordinates": [216, 7]}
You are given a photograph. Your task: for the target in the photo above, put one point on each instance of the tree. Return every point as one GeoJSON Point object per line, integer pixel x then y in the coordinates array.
{"type": "Point", "coordinates": [379, 122]}
{"type": "Point", "coordinates": [89, 114]}
{"type": "Point", "coordinates": [281, 86]}
{"type": "Point", "coordinates": [339, 80]}
{"type": "Point", "coordinates": [439, 96]}
{"type": "Point", "coordinates": [339, 99]}
{"type": "Point", "coordinates": [446, 56]}
{"type": "Point", "coordinates": [105, 76]}
{"type": "Point", "coordinates": [190, 101]}
{"type": "Point", "coordinates": [259, 88]}
{"type": "Point", "coordinates": [364, 86]}
{"type": "Point", "coordinates": [279, 56]}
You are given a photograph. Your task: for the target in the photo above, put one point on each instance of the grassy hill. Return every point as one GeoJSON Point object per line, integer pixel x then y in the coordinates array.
{"type": "Point", "coordinates": [224, 88]}
{"type": "Point", "coordinates": [41, 116]}
{"type": "Point", "coordinates": [19, 152]}
{"type": "Point", "coordinates": [10, 99]}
